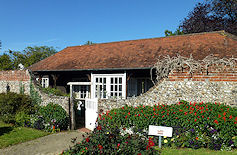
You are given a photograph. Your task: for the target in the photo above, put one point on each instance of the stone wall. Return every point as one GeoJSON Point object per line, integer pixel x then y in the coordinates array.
{"type": "Point", "coordinates": [212, 87]}
{"type": "Point", "coordinates": [18, 80]}
{"type": "Point", "coordinates": [15, 80]}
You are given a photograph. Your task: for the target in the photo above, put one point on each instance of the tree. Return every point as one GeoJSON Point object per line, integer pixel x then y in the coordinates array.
{"type": "Point", "coordinates": [27, 57]}
{"type": "Point", "coordinates": [213, 16]}
{"type": "Point", "coordinates": [170, 33]}
{"type": "Point", "coordinates": [6, 62]}
{"type": "Point", "coordinates": [89, 43]}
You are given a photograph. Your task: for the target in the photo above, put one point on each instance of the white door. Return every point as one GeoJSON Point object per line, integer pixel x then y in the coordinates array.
{"type": "Point", "coordinates": [91, 113]}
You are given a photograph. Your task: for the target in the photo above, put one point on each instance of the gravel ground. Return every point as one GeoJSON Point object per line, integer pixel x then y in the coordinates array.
{"type": "Point", "coordinates": [48, 145]}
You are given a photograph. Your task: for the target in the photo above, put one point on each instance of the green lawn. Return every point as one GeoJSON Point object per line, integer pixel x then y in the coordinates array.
{"type": "Point", "coordinates": [10, 135]}
{"type": "Point", "coordinates": [187, 151]}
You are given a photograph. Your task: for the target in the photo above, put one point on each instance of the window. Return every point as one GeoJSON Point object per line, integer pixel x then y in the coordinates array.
{"type": "Point", "coordinates": [44, 82]}
{"type": "Point", "coordinates": [109, 86]}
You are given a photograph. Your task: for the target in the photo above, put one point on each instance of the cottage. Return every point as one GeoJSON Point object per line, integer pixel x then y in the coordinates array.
{"type": "Point", "coordinates": [122, 69]}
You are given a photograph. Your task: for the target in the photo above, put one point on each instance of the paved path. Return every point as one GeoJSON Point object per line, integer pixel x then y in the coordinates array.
{"type": "Point", "coordinates": [48, 145]}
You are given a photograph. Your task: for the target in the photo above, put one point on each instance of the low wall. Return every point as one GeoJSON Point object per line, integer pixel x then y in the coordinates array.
{"type": "Point", "coordinates": [212, 87]}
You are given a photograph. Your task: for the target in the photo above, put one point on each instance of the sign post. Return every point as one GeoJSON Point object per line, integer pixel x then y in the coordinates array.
{"type": "Point", "coordinates": [160, 131]}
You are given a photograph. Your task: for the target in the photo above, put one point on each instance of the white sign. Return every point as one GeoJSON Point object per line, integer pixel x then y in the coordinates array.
{"type": "Point", "coordinates": [160, 131]}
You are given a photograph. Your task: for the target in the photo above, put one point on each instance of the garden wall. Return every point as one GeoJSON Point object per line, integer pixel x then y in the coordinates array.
{"type": "Point", "coordinates": [15, 80]}
{"type": "Point", "coordinates": [20, 80]}
{"type": "Point", "coordinates": [207, 87]}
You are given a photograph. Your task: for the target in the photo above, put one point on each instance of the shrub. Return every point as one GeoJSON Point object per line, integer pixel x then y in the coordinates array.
{"type": "Point", "coordinates": [196, 125]}
{"type": "Point", "coordinates": [108, 140]}
{"type": "Point", "coordinates": [21, 118]}
{"type": "Point", "coordinates": [54, 117]}
{"type": "Point", "coordinates": [53, 91]}
{"type": "Point", "coordinates": [13, 103]}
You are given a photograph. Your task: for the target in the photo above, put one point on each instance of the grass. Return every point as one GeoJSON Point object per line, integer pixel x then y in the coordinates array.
{"type": "Point", "coordinates": [202, 151]}
{"type": "Point", "coordinates": [10, 135]}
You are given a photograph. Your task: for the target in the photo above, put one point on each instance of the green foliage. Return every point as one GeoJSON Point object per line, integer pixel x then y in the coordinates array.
{"type": "Point", "coordinates": [195, 125]}
{"type": "Point", "coordinates": [12, 103]}
{"type": "Point", "coordinates": [27, 57]}
{"type": "Point", "coordinates": [22, 88]}
{"type": "Point", "coordinates": [22, 118]}
{"type": "Point", "coordinates": [89, 43]}
{"type": "Point", "coordinates": [106, 139]}
{"type": "Point", "coordinates": [6, 62]}
{"type": "Point", "coordinates": [55, 117]}
{"type": "Point", "coordinates": [53, 91]}
{"type": "Point", "coordinates": [175, 33]}
{"type": "Point", "coordinates": [34, 95]}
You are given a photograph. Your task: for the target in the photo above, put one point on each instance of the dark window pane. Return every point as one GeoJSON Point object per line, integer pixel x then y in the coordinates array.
{"type": "Point", "coordinates": [120, 80]}
{"type": "Point", "coordinates": [111, 88]}
{"type": "Point", "coordinates": [116, 80]}
{"type": "Point", "coordinates": [112, 80]}
{"type": "Point", "coordinates": [120, 87]}
{"type": "Point", "coordinates": [116, 88]}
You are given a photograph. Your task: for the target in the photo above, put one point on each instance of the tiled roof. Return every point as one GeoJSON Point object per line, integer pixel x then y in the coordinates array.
{"type": "Point", "coordinates": [141, 53]}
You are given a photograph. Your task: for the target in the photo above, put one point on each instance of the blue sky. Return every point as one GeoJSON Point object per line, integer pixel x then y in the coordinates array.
{"type": "Point", "coordinates": [62, 23]}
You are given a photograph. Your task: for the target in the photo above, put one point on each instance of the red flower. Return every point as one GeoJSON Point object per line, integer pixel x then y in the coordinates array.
{"type": "Point", "coordinates": [151, 143]}
{"type": "Point", "coordinates": [207, 117]}
{"type": "Point", "coordinates": [185, 113]}
{"type": "Point", "coordinates": [53, 127]}
{"type": "Point", "coordinates": [173, 112]}
{"type": "Point", "coordinates": [196, 138]}
{"type": "Point", "coordinates": [122, 107]}
{"type": "Point", "coordinates": [87, 139]}
{"type": "Point", "coordinates": [124, 128]}
{"type": "Point", "coordinates": [163, 116]}
{"type": "Point", "coordinates": [224, 119]}
{"type": "Point", "coordinates": [202, 116]}
{"type": "Point", "coordinates": [224, 113]}
{"type": "Point", "coordinates": [99, 127]}
{"type": "Point", "coordinates": [176, 117]}
{"type": "Point", "coordinates": [236, 118]}
{"type": "Point", "coordinates": [86, 148]}
{"type": "Point", "coordinates": [139, 154]}
{"type": "Point", "coordinates": [126, 116]}
{"type": "Point", "coordinates": [118, 145]}
{"type": "Point", "coordinates": [219, 115]}
{"type": "Point", "coordinates": [100, 146]}
{"type": "Point", "coordinates": [195, 113]}
{"type": "Point", "coordinates": [139, 114]}
{"type": "Point", "coordinates": [168, 114]}
{"type": "Point", "coordinates": [231, 117]}
{"type": "Point", "coordinates": [195, 120]}
{"type": "Point", "coordinates": [128, 113]}
{"type": "Point", "coordinates": [216, 121]}
{"type": "Point", "coordinates": [115, 113]}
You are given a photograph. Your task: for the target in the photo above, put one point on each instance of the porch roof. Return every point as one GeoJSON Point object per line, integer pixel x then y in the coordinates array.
{"type": "Point", "coordinates": [138, 54]}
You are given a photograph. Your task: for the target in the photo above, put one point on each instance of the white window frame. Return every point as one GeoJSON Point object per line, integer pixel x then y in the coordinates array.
{"type": "Point", "coordinates": [44, 81]}
{"type": "Point", "coordinates": [108, 84]}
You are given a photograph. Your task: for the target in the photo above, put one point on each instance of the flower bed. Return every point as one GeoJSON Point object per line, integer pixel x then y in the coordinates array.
{"type": "Point", "coordinates": [195, 125]}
